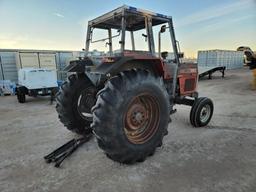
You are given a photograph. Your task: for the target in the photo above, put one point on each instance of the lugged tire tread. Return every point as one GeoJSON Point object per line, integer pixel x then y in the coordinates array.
{"type": "Point", "coordinates": [64, 104]}
{"type": "Point", "coordinates": [114, 91]}
{"type": "Point", "coordinates": [194, 111]}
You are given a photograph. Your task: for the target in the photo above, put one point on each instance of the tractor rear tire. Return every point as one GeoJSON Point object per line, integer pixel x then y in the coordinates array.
{"type": "Point", "coordinates": [131, 116]}
{"type": "Point", "coordinates": [201, 112]}
{"type": "Point", "coordinates": [74, 94]}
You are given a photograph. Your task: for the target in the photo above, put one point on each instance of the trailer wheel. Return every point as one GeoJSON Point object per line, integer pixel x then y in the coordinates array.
{"type": "Point", "coordinates": [74, 102]}
{"type": "Point", "coordinates": [131, 116]}
{"type": "Point", "coordinates": [201, 112]}
{"type": "Point", "coordinates": [21, 96]}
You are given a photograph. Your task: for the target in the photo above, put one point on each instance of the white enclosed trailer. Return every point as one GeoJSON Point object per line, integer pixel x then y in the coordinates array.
{"type": "Point", "coordinates": [35, 81]}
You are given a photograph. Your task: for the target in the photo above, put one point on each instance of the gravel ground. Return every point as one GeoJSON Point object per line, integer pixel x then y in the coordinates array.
{"type": "Point", "coordinates": [220, 157]}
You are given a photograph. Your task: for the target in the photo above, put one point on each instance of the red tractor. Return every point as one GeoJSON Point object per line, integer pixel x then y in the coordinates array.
{"type": "Point", "coordinates": [126, 97]}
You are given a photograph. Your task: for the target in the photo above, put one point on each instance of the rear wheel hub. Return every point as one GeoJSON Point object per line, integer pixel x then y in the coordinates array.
{"type": "Point", "coordinates": [142, 119]}
{"type": "Point", "coordinates": [136, 116]}
{"type": "Point", "coordinates": [85, 102]}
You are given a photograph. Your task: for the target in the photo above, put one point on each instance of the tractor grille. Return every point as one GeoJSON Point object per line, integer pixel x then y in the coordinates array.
{"type": "Point", "coordinates": [190, 84]}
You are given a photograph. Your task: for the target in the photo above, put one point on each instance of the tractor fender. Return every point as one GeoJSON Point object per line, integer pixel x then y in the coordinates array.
{"type": "Point", "coordinates": [79, 65]}
{"type": "Point", "coordinates": [100, 73]}
{"type": "Point", "coordinates": [126, 63]}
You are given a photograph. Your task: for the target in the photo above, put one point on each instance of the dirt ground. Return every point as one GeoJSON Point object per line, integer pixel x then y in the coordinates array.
{"type": "Point", "coordinates": [220, 157]}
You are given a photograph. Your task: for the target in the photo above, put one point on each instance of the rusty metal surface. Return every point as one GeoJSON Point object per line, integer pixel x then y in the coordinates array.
{"type": "Point", "coordinates": [142, 119]}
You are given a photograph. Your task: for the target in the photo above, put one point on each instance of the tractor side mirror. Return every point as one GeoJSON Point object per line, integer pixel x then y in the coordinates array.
{"type": "Point", "coordinates": [163, 29]}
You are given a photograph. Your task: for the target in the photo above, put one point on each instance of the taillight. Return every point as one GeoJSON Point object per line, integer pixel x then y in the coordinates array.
{"type": "Point", "coordinates": [108, 60]}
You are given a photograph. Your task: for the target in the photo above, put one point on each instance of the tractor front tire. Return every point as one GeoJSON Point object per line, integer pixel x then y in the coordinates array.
{"type": "Point", "coordinates": [131, 115]}
{"type": "Point", "coordinates": [76, 95]}
{"type": "Point", "coordinates": [201, 112]}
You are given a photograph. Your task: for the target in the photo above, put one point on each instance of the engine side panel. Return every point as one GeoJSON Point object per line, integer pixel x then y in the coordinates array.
{"type": "Point", "coordinates": [187, 79]}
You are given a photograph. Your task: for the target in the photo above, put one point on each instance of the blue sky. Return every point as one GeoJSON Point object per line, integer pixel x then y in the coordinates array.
{"type": "Point", "coordinates": [59, 24]}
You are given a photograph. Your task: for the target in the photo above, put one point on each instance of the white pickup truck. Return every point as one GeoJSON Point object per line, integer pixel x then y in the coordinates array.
{"type": "Point", "coordinates": [35, 81]}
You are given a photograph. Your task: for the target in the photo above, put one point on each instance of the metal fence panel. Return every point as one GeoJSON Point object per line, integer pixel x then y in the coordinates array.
{"type": "Point", "coordinates": [215, 58]}
{"type": "Point", "coordinates": [47, 60]}
{"type": "Point", "coordinates": [8, 66]}
{"type": "Point", "coordinates": [63, 59]}
{"type": "Point", "coordinates": [11, 61]}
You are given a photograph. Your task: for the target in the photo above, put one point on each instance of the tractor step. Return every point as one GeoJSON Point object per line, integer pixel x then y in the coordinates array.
{"type": "Point", "coordinates": [61, 153]}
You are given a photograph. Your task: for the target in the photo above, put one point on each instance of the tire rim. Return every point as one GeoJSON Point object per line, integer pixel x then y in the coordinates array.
{"type": "Point", "coordinates": [142, 119]}
{"type": "Point", "coordinates": [85, 102]}
{"type": "Point", "coordinates": [205, 113]}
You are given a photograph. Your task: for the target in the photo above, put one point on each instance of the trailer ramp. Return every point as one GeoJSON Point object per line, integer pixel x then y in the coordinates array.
{"type": "Point", "coordinates": [204, 71]}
